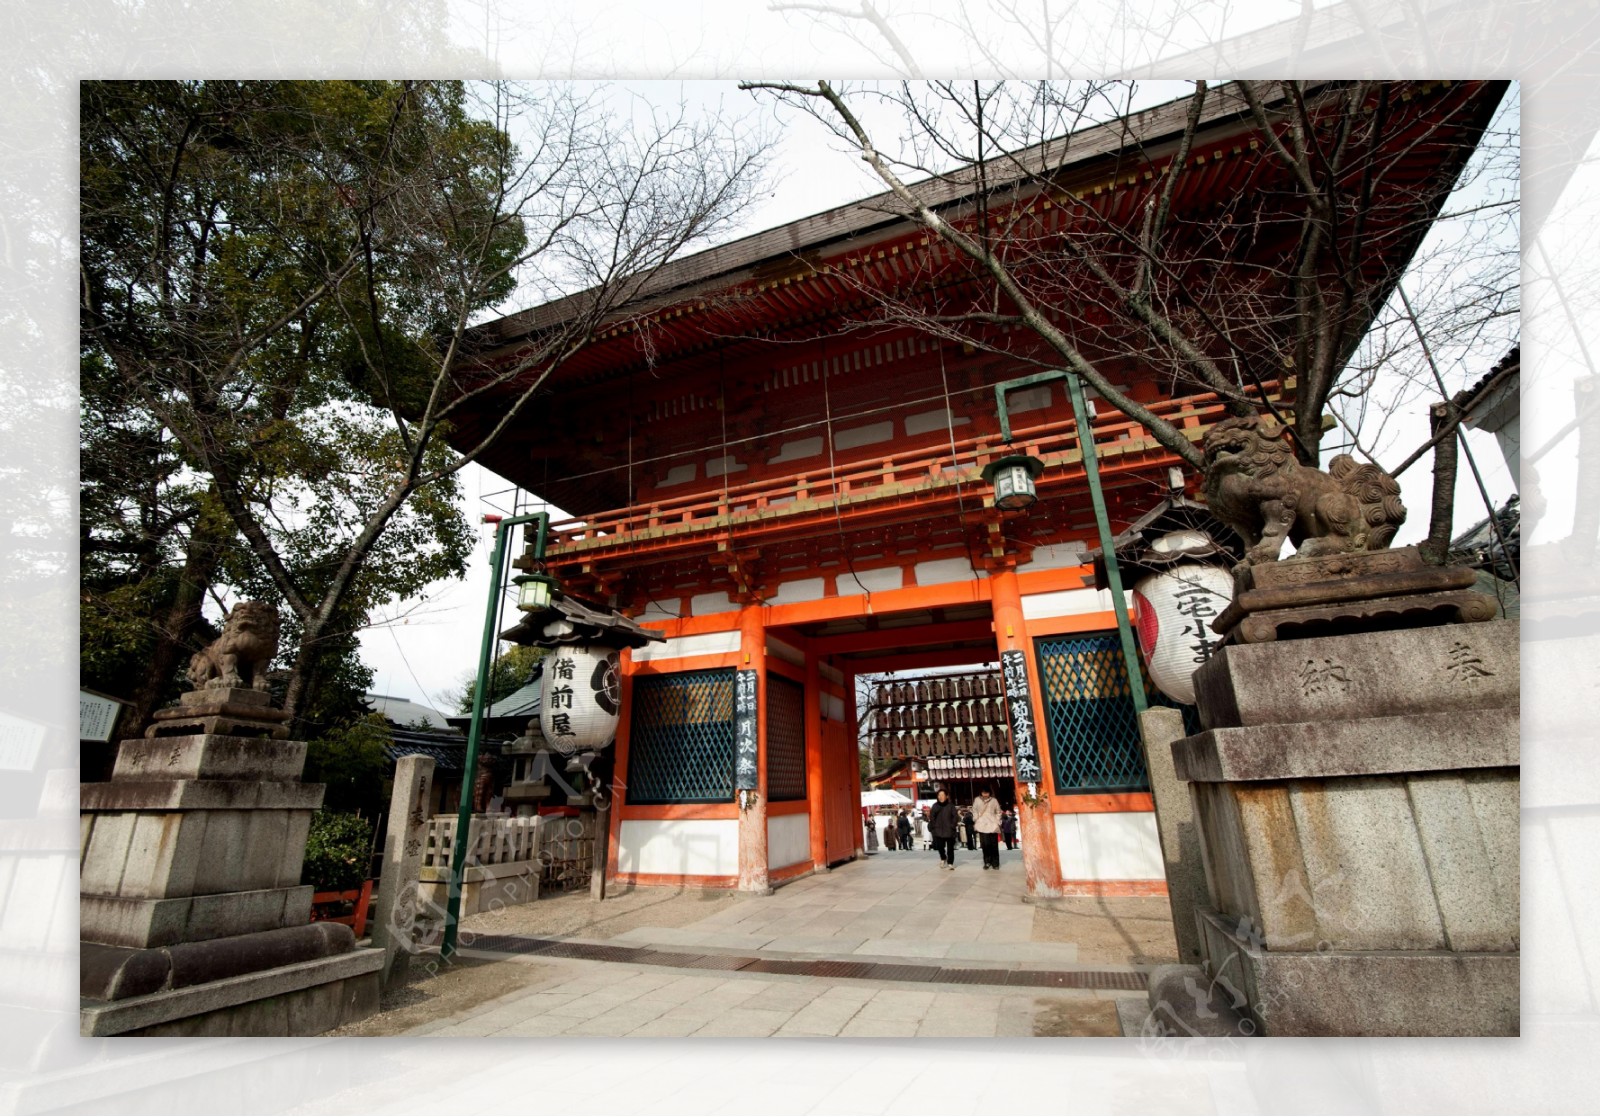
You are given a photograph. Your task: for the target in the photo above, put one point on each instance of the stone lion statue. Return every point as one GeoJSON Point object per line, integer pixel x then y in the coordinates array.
{"type": "Point", "coordinates": [239, 657]}
{"type": "Point", "coordinates": [1256, 486]}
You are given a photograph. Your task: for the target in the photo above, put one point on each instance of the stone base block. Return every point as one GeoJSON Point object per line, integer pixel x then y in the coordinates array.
{"type": "Point", "coordinates": [206, 756]}
{"type": "Point", "coordinates": [200, 795]}
{"type": "Point", "coordinates": [1411, 861]}
{"type": "Point", "coordinates": [1377, 674]}
{"type": "Point", "coordinates": [166, 854]}
{"type": "Point", "coordinates": [303, 999]}
{"type": "Point", "coordinates": [1366, 993]}
{"type": "Point", "coordinates": [115, 973]}
{"type": "Point", "coordinates": [123, 921]}
{"type": "Point", "coordinates": [224, 710]}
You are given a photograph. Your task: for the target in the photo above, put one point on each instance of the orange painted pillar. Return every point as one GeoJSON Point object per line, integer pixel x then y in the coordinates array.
{"type": "Point", "coordinates": [1041, 862]}
{"type": "Point", "coordinates": [814, 767]}
{"type": "Point", "coordinates": [619, 768]}
{"type": "Point", "coordinates": [753, 808]}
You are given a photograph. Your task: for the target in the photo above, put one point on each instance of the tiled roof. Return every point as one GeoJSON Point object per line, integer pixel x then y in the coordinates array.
{"type": "Point", "coordinates": [403, 711]}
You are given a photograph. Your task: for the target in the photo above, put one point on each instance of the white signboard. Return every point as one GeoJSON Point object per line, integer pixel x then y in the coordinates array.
{"type": "Point", "coordinates": [20, 741]}
{"type": "Point", "coordinates": [97, 716]}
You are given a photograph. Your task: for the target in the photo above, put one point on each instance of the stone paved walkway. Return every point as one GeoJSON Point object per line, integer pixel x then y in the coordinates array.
{"type": "Point", "coordinates": [892, 907]}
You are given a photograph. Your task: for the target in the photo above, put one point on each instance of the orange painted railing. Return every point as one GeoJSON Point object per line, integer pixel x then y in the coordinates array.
{"type": "Point", "coordinates": [356, 920]}
{"type": "Point", "coordinates": [863, 487]}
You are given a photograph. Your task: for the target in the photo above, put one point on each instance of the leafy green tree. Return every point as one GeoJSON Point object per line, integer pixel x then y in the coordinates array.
{"type": "Point", "coordinates": [351, 761]}
{"type": "Point", "coordinates": [509, 671]}
{"type": "Point", "coordinates": [282, 276]}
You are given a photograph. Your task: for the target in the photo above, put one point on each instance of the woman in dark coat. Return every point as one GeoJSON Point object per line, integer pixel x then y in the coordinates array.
{"type": "Point", "coordinates": [942, 825]}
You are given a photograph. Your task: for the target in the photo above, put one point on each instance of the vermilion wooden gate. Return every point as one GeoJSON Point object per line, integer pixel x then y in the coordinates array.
{"type": "Point", "coordinates": [841, 782]}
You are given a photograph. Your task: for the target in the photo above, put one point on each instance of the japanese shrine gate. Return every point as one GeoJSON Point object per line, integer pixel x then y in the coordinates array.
{"type": "Point", "coordinates": [793, 499]}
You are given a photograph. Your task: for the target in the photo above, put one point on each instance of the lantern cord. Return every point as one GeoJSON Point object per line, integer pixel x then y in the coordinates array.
{"type": "Point", "coordinates": [950, 426]}
{"type": "Point", "coordinates": [833, 477]}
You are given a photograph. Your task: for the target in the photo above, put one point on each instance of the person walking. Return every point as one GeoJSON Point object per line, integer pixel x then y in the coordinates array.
{"type": "Point", "coordinates": [872, 834]}
{"type": "Point", "coordinates": [966, 824]}
{"type": "Point", "coordinates": [1008, 829]}
{"type": "Point", "coordinates": [986, 820]}
{"type": "Point", "coordinates": [917, 833]}
{"type": "Point", "coordinates": [942, 825]}
{"type": "Point", "coordinates": [889, 828]}
{"type": "Point", "coordinates": [903, 831]}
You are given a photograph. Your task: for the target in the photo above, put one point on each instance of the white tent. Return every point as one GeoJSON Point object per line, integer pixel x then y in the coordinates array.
{"type": "Point", "coordinates": [884, 798]}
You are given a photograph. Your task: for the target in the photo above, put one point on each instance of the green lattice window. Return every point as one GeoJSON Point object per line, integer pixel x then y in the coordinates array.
{"type": "Point", "coordinates": [786, 739]}
{"type": "Point", "coordinates": [680, 741]}
{"type": "Point", "coordinates": [1094, 735]}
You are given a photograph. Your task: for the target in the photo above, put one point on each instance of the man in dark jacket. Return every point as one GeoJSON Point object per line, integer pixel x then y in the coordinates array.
{"type": "Point", "coordinates": [942, 825]}
{"type": "Point", "coordinates": [903, 830]}
{"type": "Point", "coordinates": [966, 824]}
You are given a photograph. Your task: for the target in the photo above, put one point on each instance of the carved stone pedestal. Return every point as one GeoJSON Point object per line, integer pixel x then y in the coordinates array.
{"type": "Point", "coordinates": [1357, 804]}
{"type": "Point", "coordinates": [193, 919]}
{"type": "Point", "coordinates": [1338, 594]}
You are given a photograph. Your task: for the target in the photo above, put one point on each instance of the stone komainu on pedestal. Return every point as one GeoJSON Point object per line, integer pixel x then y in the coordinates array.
{"type": "Point", "coordinates": [1355, 790]}
{"type": "Point", "coordinates": [193, 918]}
{"type": "Point", "coordinates": [1255, 485]}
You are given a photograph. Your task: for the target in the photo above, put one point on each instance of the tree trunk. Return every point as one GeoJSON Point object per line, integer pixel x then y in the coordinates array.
{"type": "Point", "coordinates": [175, 635]}
{"type": "Point", "coordinates": [1436, 548]}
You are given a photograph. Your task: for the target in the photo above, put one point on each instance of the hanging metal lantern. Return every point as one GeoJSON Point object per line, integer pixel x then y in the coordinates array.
{"type": "Point", "coordinates": [1176, 608]}
{"type": "Point", "coordinates": [581, 697]}
{"type": "Point", "coordinates": [1012, 477]}
{"type": "Point", "coordinates": [535, 592]}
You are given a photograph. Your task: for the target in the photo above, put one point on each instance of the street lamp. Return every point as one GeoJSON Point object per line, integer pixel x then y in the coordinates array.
{"type": "Point", "coordinates": [535, 592]}
{"type": "Point", "coordinates": [536, 586]}
{"type": "Point", "coordinates": [1024, 495]}
{"type": "Point", "coordinates": [1012, 477]}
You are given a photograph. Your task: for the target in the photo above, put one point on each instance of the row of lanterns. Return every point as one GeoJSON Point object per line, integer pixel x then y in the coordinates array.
{"type": "Point", "coordinates": [945, 688]}
{"type": "Point", "coordinates": [970, 741]}
{"type": "Point", "coordinates": [944, 715]}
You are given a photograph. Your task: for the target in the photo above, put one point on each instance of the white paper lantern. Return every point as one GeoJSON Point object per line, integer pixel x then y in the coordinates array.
{"type": "Point", "coordinates": [581, 698]}
{"type": "Point", "coordinates": [1176, 609]}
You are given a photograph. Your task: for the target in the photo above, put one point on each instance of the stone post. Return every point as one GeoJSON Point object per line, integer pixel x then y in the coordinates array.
{"type": "Point", "coordinates": [602, 832]}
{"type": "Point", "coordinates": [1159, 726]}
{"type": "Point", "coordinates": [394, 917]}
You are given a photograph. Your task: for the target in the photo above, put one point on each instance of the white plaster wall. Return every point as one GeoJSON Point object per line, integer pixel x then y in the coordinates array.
{"type": "Point", "coordinates": [655, 612]}
{"type": "Point", "coordinates": [1067, 603]}
{"type": "Point", "coordinates": [832, 674]}
{"type": "Point", "coordinates": [721, 467]}
{"type": "Point", "coordinates": [801, 589]}
{"type": "Point", "coordinates": [705, 604]}
{"type": "Point", "coordinates": [677, 475]}
{"type": "Point", "coordinates": [1057, 556]}
{"type": "Point", "coordinates": [833, 707]}
{"type": "Point", "coordinates": [797, 449]}
{"type": "Point", "coordinates": [940, 420]}
{"type": "Point", "coordinates": [1113, 846]}
{"type": "Point", "coordinates": [880, 580]}
{"type": "Point", "coordinates": [788, 839]}
{"type": "Point", "coordinates": [863, 436]}
{"type": "Point", "coordinates": [680, 847]}
{"type": "Point", "coordinates": [712, 643]}
{"type": "Point", "coordinates": [940, 571]}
